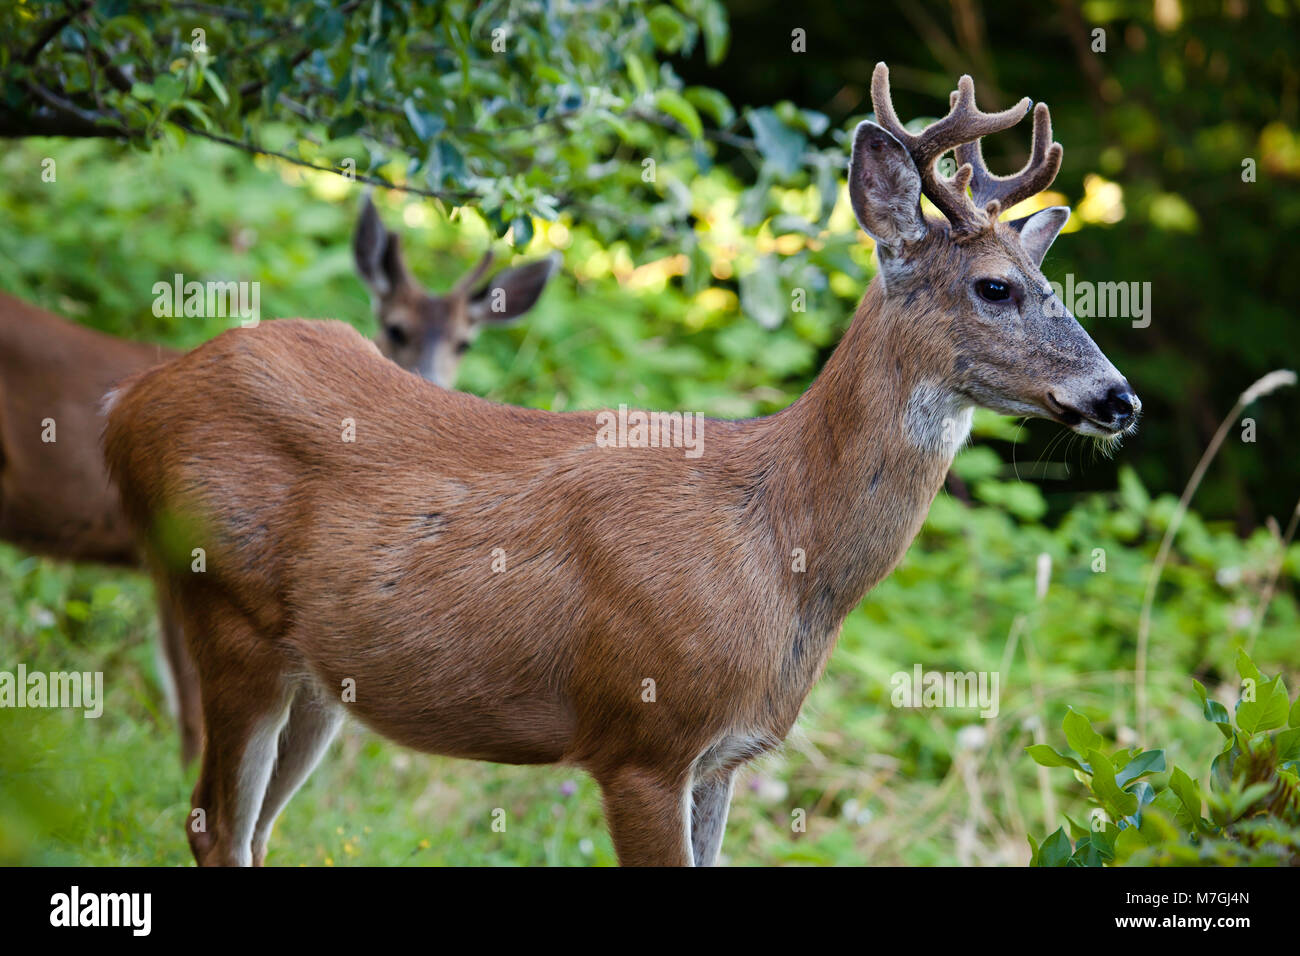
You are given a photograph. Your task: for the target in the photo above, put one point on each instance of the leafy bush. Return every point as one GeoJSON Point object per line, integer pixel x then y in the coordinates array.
{"type": "Point", "coordinates": [1253, 801]}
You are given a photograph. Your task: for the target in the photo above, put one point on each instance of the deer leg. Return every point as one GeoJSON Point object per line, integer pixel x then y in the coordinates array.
{"type": "Point", "coordinates": [184, 679]}
{"type": "Point", "coordinates": [313, 722]}
{"type": "Point", "coordinates": [648, 814]}
{"type": "Point", "coordinates": [710, 801]}
{"type": "Point", "coordinates": [246, 702]}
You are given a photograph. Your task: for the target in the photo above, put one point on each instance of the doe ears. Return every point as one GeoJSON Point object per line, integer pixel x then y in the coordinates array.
{"type": "Point", "coordinates": [377, 252]}
{"type": "Point", "coordinates": [885, 190]}
{"type": "Point", "coordinates": [1039, 230]}
{"type": "Point", "coordinates": [512, 292]}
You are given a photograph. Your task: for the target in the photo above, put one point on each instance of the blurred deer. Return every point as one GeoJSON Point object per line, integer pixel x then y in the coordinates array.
{"type": "Point", "coordinates": [497, 583]}
{"type": "Point", "coordinates": [55, 496]}
{"type": "Point", "coordinates": [429, 334]}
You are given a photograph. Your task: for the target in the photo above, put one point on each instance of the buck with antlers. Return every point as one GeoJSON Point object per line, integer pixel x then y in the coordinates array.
{"type": "Point", "coordinates": [55, 497]}
{"type": "Point", "coordinates": [494, 583]}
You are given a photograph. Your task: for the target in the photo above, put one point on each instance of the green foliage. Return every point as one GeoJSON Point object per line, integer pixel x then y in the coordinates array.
{"type": "Point", "coordinates": [517, 109]}
{"type": "Point", "coordinates": [1253, 802]}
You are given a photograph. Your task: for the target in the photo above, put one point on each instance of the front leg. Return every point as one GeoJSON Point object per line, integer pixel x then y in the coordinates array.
{"type": "Point", "coordinates": [710, 801]}
{"type": "Point", "coordinates": [648, 814]}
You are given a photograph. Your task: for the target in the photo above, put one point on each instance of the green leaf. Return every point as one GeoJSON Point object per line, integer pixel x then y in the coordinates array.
{"type": "Point", "coordinates": [1033, 849]}
{"type": "Point", "coordinates": [1288, 745]}
{"type": "Point", "coordinates": [1090, 853]}
{"type": "Point", "coordinates": [1128, 842]}
{"type": "Point", "coordinates": [1212, 710]}
{"type": "Point", "coordinates": [676, 106]}
{"type": "Point", "coordinates": [522, 231]}
{"type": "Point", "coordinates": [218, 88]}
{"type": "Point", "coordinates": [1189, 794]}
{"type": "Point", "coordinates": [1079, 733]}
{"type": "Point", "coordinates": [1268, 711]}
{"type": "Point", "coordinates": [781, 146]}
{"type": "Point", "coordinates": [1077, 832]}
{"type": "Point", "coordinates": [1246, 667]}
{"type": "Point", "coordinates": [717, 33]}
{"type": "Point", "coordinates": [424, 124]}
{"type": "Point", "coordinates": [670, 30]}
{"type": "Point", "coordinates": [1132, 494]}
{"type": "Point", "coordinates": [712, 102]}
{"type": "Point", "coordinates": [1116, 801]}
{"type": "Point", "coordinates": [761, 296]}
{"type": "Point", "coordinates": [1056, 850]}
{"type": "Point", "coordinates": [1149, 761]}
{"type": "Point", "coordinates": [1294, 719]}
{"type": "Point", "coordinates": [344, 126]}
{"type": "Point", "coordinates": [77, 610]}
{"type": "Point", "coordinates": [1046, 756]}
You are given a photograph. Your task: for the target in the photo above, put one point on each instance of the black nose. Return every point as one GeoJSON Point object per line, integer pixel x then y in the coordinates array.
{"type": "Point", "coordinates": [1119, 407]}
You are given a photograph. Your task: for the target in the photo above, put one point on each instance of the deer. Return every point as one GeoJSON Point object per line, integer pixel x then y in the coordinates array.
{"type": "Point", "coordinates": [55, 495]}
{"type": "Point", "coordinates": [494, 583]}
{"type": "Point", "coordinates": [430, 334]}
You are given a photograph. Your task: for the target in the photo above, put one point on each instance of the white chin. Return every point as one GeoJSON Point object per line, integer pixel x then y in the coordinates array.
{"type": "Point", "coordinates": [1097, 431]}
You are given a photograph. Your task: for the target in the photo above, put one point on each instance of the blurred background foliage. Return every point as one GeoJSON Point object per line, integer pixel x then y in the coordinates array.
{"type": "Point", "coordinates": [679, 291]}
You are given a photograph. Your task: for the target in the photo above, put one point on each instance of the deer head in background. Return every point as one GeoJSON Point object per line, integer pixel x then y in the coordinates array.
{"type": "Point", "coordinates": [426, 333]}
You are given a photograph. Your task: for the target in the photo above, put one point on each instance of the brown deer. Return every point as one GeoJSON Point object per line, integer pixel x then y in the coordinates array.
{"type": "Point", "coordinates": [55, 496]}
{"type": "Point", "coordinates": [496, 583]}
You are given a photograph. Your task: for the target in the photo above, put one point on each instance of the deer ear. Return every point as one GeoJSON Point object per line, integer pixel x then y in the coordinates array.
{"type": "Point", "coordinates": [377, 252]}
{"type": "Point", "coordinates": [885, 189]}
{"type": "Point", "coordinates": [512, 292]}
{"type": "Point", "coordinates": [1039, 230]}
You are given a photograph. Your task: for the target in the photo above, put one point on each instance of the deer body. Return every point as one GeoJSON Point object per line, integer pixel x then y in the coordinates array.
{"type": "Point", "coordinates": [55, 496]}
{"type": "Point", "coordinates": [384, 574]}
{"type": "Point", "coordinates": [490, 582]}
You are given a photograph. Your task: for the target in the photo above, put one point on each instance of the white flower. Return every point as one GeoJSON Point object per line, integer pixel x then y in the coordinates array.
{"type": "Point", "coordinates": [971, 737]}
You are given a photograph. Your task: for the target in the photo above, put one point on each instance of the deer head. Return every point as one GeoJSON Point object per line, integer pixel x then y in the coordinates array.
{"type": "Point", "coordinates": [428, 334]}
{"type": "Point", "coordinates": [990, 323]}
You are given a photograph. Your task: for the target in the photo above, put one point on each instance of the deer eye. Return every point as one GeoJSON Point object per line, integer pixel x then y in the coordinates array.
{"type": "Point", "coordinates": [462, 348]}
{"type": "Point", "coordinates": [396, 334]}
{"type": "Point", "coordinates": [992, 290]}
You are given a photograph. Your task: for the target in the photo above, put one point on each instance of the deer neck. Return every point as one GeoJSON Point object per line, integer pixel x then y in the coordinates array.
{"type": "Point", "coordinates": [853, 466]}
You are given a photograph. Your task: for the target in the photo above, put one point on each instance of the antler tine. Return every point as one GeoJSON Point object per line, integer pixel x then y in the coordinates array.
{"type": "Point", "coordinates": [965, 123]}
{"type": "Point", "coordinates": [1038, 173]}
{"type": "Point", "coordinates": [466, 281]}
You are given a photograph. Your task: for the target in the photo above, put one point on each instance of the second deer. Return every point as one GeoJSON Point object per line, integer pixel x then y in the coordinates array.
{"type": "Point", "coordinates": [496, 583]}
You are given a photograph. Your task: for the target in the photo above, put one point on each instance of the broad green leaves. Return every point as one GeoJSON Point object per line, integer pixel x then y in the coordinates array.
{"type": "Point", "coordinates": [1254, 779]}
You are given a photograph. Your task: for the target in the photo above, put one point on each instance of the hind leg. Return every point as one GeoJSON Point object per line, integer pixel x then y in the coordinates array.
{"type": "Point", "coordinates": [314, 720]}
{"type": "Point", "coordinates": [710, 801]}
{"type": "Point", "coordinates": [184, 678]}
{"type": "Point", "coordinates": [246, 697]}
